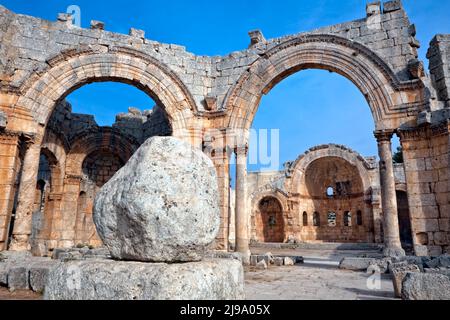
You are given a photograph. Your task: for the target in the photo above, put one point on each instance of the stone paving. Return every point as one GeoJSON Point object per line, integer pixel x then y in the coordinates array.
{"type": "Point", "coordinates": [319, 278]}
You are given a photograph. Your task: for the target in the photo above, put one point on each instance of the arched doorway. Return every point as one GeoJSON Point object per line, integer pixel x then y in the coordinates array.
{"type": "Point", "coordinates": [404, 220]}
{"type": "Point", "coordinates": [270, 220]}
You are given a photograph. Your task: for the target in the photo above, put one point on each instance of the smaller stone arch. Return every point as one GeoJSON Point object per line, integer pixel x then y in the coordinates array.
{"type": "Point", "coordinates": [301, 164]}
{"type": "Point", "coordinates": [269, 220]}
{"type": "Point", "coordinates": [102, 138]}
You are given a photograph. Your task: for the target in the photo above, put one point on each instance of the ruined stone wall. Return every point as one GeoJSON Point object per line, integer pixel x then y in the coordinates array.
{"type": "Point", "coordinates": [31, 42]}
{"type": "Point", "coordinates": [353, 201]}
{"type": "Point", "coordinates": [439, 57]}
{"type": "Point", "coordinates": [427, 160]}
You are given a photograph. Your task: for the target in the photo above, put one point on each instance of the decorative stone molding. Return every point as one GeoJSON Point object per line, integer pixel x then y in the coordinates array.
{"type": "Point", "coordinates": [384, 135]}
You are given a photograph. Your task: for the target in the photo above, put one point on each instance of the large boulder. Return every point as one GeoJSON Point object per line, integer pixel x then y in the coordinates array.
{"type": "Point", "coordinates": [426, 286]}
{"type": "Point", "coordinates": [162, 206]}
{"type": "Point", "coordinates": [211, 279]}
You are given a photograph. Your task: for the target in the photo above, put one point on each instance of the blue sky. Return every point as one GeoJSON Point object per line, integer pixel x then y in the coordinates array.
{"type": "Point", "coordinates": [309, 108]}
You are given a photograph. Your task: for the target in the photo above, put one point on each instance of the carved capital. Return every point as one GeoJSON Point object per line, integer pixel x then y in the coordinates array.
{"type": "Point", "coordinates": [241, 149]}
{"type": "Point", "coordinates": [383, 135]}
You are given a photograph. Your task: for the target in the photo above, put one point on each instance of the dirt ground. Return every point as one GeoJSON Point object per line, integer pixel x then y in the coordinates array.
{"type": "Point", "coordinates": [5, 294]}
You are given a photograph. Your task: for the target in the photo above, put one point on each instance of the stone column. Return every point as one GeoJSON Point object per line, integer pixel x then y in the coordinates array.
{"type": "Point", "coordinates": [392, 245]}
{"type": "Point", "coordinates": [241, 220]}
{"type": "Point", "coordinates": [25, 203]}
{"type": "Point", "coordinates": [9, 167]}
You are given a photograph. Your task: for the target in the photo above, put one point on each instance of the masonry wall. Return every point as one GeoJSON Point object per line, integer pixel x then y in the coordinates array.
{"type": "Point", "coordinates": [426, 156]}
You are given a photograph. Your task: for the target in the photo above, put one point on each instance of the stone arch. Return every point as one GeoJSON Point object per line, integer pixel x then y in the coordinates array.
{"type": "Point", "coordinates": [103, 138]}
{"type": "Point", "coordinates": [74, 68]}
{"type": "Point", "coordinates": [269, 220]}
{"type": "Point", "coordinates": [388, 98]}
{"type": "Point", "coordinates": [301, 164]}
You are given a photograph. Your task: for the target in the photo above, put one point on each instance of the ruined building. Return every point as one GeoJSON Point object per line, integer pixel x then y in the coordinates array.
{"type": "Point", "coordinates": [328, 194]}
{"type": "Point", "coordinates": [52, 161]}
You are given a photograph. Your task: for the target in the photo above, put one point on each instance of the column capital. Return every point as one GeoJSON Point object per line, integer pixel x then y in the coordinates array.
{"type": "Point", "coordinates": [241, 149]}
{"type": "Point", "coordinates": [383, 135]}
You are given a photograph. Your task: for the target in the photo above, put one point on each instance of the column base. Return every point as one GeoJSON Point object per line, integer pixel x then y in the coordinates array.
{"type": "Point", "coordinates": [394, 252]}
{"type": "Point", "coordinates": [245, 256]}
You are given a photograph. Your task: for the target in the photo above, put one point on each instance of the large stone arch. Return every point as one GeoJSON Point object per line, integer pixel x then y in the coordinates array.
{"type": "Point", "coordinates": [74, 68]}
{"type": "Point", "coordinates": [392, 102]}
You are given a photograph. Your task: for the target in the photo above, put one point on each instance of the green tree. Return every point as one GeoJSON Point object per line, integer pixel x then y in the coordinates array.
{"type": "Point", "coordinates": [398, 155]}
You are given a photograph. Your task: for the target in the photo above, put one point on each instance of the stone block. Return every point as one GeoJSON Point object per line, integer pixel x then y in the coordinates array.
{"type": "Point", "coordinates": [288, 261]}
{"type": "Point", "coordinates": [3, 274]}
{"type": "Point", "coordinates": [211, 279]}
{"type": "Point", "coordinates": [38, 278]}
{"type": "Point", "coordinates": [97, 25]}
{"type": "Point", "coordinates": [373, 8]}
{"type": "Point", "coordinates": [137, 33]}
{"type": "Point", "coordinates": [398, 274]}
{"type": "Point", "coordinates": [261, 265]}
{"type": "Point", "coordinates": [391, 6]}
{"type": "Point", "coordinates": [355, 264]}
{"type": "Point", "coordinates": [425, 286]}
{"type": "Point", "coordinates": [18, 278]}
{"type": "Point", "coordinates": [3, 120]}
{"type": "Point", "coordinates": [278, 261]}
{"type": "Point", "coordinates": [253, 260]}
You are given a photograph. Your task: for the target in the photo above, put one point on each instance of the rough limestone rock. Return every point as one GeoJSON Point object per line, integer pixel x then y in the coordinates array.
{"type": "Point", "coordinates": [261, 265]}
{"type": "Point", "coordinates": [211, 279]}
{"type": "Point", "coordinates": [162, 206]}
{"type": "Point", "coordinates": [426, 286]}
{"type": "Point", "coordinates": [356, 264]}
{"type": "Point", "coordinates": [398, 274]}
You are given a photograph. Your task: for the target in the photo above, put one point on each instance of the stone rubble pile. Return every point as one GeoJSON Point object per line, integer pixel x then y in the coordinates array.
{"type": "Point", "coordinates": [263, 261]}
{"type": "Point", "coordinates": [414, 278]}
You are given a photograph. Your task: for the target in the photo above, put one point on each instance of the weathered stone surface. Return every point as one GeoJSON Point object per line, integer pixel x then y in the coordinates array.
{"type": "Point", "coordinates": [3, 120]}
{"type": "Point", "coordinates": [215, 279]}
{"type": "Point", "coordinates": [426, 286]}
{"type": "Point", "coordinates": [163, 205]}
{"type": "Point", "coordinates": [398, 274]}
{"type": "Point", "coordinates": [261, 265]}
{"type": "Point", "coordinates": [356, 264]}
{"type": "Point", "coordinates": [3, 275]}
{"type": "Point", "coordinates": [288, 261]}
{"type": "Point", "coordinates": [278, 261]}
{"type": "Point", "coordinates": [38, 278]}
{"type": "Point", "coordinates": [18, 278]}
{"type": "Point", "coordinates": [223, 255]}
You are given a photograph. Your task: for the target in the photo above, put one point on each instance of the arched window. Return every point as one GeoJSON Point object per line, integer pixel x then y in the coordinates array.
{"type": "Point", "coordinates": [331, 219]}
{"type": "Point", "coordinates": [316, 219]}
{"type": "Point", "coordinates": [330, 192]}
{"type": "Point", "coordinates": [359, 220]}
{"type": "Point", "coordinates": [347, 219]}
{"type": "Point", "coordinates": [305, 218]}
{"type": "Point", "coordinates": [40, 194]}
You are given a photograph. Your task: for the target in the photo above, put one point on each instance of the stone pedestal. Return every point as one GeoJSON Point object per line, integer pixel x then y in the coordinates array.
{"type": "Point", "coordinates": [211, 279]}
